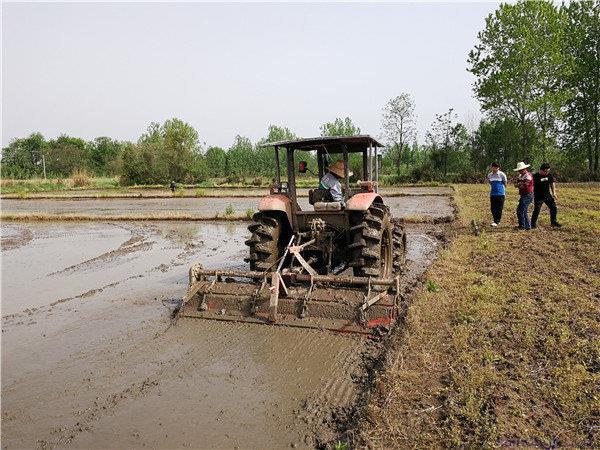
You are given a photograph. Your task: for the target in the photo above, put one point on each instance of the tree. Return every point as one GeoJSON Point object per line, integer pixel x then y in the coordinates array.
{"type": "Point", "coordinates": [440, 138]}
{"type": "Point", "coordinates": [181, 151]}
{"type": "Point", "coordinates": [166, 152]}
{"type": "Point", "coordinates": [581, 79]}
{"type": "Point", "coordinates": [339, 127]}
{"type": "Point", "coordinates": [516, 63]}
{"type": "Point", "coordinates": [240, 157]}
{"type": "Point", "coordinates": [23, 157]}
{"type": "Point", "coordinates": [495, 140]}
{"type": "Point", "coordinates": [104, 151]}
{"type": "Point", "coordinates": [216, 161]}
{"type": "Point", "coordinates": [345, 127]}
{"type": "Point", "coordinates": [66, 154]}
{"type": "Point", "coordinates": [265, 156]}
{"type": "Point", "coordinates": [398, 126]}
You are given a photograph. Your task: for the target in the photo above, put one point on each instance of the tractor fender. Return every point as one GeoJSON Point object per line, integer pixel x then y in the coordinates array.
{"type": "Point", "coordinates": [362, 201]}
{"type": "Point", "coordinates": [277, 202]}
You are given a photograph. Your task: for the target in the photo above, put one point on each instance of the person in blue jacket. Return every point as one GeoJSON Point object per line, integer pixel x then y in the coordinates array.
{"type": "Point", "coordinates": [497, 180]}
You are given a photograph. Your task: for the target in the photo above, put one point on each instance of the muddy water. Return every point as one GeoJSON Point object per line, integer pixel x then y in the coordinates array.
{"type": "Point", "coordinates": [223, 192]}
{"type": "Point", "coordinates": [423, 205]}
{"type": "Point", "coordinates": [90, 358]}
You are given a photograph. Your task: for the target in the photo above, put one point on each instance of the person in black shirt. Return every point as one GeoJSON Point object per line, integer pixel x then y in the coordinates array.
{"type": "Point", "coordinates": [544, 191]}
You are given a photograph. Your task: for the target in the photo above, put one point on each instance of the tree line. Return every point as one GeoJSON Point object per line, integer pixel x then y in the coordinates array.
{"type": "Point", "coordinates": [537, 77]}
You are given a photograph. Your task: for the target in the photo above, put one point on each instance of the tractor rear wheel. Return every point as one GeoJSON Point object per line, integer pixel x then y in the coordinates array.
{"type": "Point", "coordinates": [399, 240]}
{"type": "Point", "coordinates": [264, 243]}
{"type": "Point", "coordinates": [371, 247]}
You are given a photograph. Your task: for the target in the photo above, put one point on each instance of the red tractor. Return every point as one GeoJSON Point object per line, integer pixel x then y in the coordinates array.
{"type": "Point", "coordinates": [335, 265]}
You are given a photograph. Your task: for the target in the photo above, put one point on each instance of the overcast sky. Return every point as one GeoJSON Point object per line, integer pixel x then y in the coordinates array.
{"type": "Point", "coordinates": [109, 69]}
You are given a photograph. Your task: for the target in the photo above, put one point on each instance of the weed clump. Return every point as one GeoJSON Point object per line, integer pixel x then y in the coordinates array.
{"type": "Point", "coordinates": [80, 178]}
{"type": "Point", "coordinates": [432, 286]}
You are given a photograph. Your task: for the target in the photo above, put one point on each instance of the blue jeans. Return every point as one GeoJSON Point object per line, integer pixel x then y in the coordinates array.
{"type": "Point", "coordinates": [523, 210]}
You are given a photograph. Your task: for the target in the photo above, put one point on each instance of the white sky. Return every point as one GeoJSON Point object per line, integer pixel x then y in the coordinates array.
{"type": "Point", "coordinates": [109, 69]}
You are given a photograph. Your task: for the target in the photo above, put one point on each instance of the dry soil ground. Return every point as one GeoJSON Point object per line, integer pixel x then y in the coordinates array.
{"type": "Point", "coordinates": [90, 358]}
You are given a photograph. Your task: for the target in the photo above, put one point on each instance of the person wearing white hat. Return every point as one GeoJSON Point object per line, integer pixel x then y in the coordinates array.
{"type": "Point", "coordinates": [331, 181]}
{"type": "Point", "coordinates": [525, 185]}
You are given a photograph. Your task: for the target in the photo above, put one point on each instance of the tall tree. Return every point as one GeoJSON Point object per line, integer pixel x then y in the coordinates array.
{"type": "Point", "coordinates": [181, 150]}
{"type": "Point", "coordinates": [103, 152]}
{"type": "Point", "coordinates": [581, 78]}
{"type": "Point", "coordinates": [240, 157]}
{"type": "Point", "coordinates": [23, 157]}
{"type": "Point", "coordinates": [398, 126]}
{"type": "Point", "coordinates": [216, 161]}
{"type": "Point", "coordinates": [516, 63]}
{"type": "Point", "coordinates": [265, 156]}
{"type": "Point", "coordinates": [440, 138]}
{"type": "Point", "coordinates": [345, 127]}
{"type": "Point", "coordinates": [66, 154]}
{"type": "Point", "coordinates": [339, 127]}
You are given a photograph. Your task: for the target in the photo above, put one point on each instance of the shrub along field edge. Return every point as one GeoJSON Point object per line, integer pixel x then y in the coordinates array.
{"type": "Point", "coordinates": [502, 344]}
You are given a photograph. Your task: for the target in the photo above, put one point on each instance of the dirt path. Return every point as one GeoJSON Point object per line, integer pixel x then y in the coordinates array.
{"type": "Point", "coordinates": [90, 358]}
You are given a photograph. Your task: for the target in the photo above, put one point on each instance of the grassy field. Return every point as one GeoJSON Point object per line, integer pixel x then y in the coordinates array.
{"type": "Point", "coordinates": [501, 347]}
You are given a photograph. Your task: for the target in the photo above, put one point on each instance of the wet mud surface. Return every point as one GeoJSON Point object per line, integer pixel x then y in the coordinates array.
{"type": "Point", "coordinates": [218, 192]}
{"type": "Point", "coordinates": [435, 206]}
{"type": "Point", "coordinates": [91, 358]}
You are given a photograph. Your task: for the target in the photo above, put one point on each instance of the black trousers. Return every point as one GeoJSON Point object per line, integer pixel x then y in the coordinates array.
{"type": "Point", "coordinates": [537, 206]}
{"type": "Point", "coordinates": [497, 205]}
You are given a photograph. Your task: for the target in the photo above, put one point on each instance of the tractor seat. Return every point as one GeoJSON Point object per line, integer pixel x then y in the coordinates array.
{"type": "Point", "coordinates": [319, 195]}
{"type": "Point", "coordinates": [328, 206]}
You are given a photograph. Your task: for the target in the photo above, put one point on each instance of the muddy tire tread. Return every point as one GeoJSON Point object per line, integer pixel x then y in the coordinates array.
{"type": "Point", "coordinates": [264, 242]}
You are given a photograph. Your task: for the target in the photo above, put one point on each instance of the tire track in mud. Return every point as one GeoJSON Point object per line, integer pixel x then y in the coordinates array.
{"type": "Point", "coordinates": [136, 243]}
{"type": "Point", "coordinates": [18, 238]}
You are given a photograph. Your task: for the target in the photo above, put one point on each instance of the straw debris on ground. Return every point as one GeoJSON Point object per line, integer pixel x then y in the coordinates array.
{"type": "Point", "coordinates": [506, 350]}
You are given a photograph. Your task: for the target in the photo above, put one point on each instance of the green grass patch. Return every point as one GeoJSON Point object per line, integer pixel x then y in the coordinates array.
{"type": "Point", "coordinates": [230, 210]}
{"type": "Point", "coordinates": [506, 352]}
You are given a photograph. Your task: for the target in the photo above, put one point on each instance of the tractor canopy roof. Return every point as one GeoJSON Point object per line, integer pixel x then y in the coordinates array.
{"type": "Point", "coordinates": [330, 144]}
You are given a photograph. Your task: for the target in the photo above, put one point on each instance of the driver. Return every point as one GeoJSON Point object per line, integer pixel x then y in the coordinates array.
{"type": "Point", "coordinates": [331, 181]}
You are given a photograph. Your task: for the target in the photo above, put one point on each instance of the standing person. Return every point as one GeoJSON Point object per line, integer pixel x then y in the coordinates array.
{"type": "Point", "coordinates": [544, 191]}
{"type": "Point", "coordinates": [525, 184]}
{"type": "Point", "coordinates": [173, 186]}
{"type": "Point", "coordinates": [497, 180]}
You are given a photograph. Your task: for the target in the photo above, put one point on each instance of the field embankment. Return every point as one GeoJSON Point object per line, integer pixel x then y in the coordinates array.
{"type": "Point", "coordinates": [501, 347]}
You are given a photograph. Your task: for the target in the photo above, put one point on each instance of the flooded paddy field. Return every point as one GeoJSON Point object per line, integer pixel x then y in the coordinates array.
{"type": "Point", "coordinates": [433, 206]}
{"type": "Point", "coordinates": [91, 358]}
{"type": "Point", "coordinates": [215, 192]}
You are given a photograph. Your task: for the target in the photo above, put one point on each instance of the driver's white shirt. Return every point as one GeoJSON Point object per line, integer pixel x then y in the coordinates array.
{"type": "Point", "coordinates": [333, 184]}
